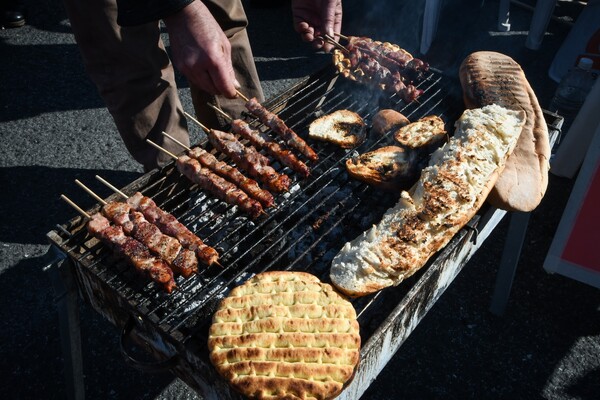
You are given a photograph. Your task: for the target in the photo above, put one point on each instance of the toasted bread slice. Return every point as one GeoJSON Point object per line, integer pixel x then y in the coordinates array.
{"type": "Point", "coordinates": [344, 128]}
{"type": "Point", "coordinates": [427, 131]}
{"type": "Point", "coordinates": [388, 120]}
{"type": "Point", "coordinates": [389, 168]}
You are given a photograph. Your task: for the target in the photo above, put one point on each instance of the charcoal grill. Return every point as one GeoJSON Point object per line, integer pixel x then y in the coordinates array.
{"type": "Point", "coordinates": [303, 232]}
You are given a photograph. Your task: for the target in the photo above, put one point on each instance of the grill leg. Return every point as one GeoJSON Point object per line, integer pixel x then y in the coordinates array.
{"type": "Point", "coordinates": [65, 289]}
{"type": "Point", "coordinates": [510, 258]}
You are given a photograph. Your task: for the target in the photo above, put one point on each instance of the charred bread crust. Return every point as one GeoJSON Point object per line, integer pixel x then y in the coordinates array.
{"type": "Point", "coordinates": [344, 128]}
{"type": "Point", "coordinates": [426, 132]}
{"type": "Point", "coordinates": [387, 168]}
{"type": "Point", "coordinates": [447, 195]}
{"type": "Point", "coordinates": [493, 78]}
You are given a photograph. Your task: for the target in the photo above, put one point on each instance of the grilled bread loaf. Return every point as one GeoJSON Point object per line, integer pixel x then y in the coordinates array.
{"type": "Point", "coordinates": [427, 131]}
{"type": "Point", "coordinates": [389, 167]}
{"type": "Point", "coordinates": [342, 127]}
{"type": "Point", "coordinates": [447, 195]}
{"type": "Point", "coordinates": [285, 335]}
{"type": "Point", "coordinates": [493, 78]}
{"type": "Point", "coordinates": [387, 120]}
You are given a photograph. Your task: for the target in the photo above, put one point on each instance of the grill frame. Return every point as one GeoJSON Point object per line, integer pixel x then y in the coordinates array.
{"type": "Point", "coordinates": [114, 292]}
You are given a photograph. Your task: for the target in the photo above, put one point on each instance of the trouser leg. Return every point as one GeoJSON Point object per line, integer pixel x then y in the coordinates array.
{"type": "Point", "coordinates": [134, 76]}
{"type": "Point", "coordinates": [231, 17]}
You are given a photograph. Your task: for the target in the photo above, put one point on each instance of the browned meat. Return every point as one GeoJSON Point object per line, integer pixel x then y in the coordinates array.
{"type": "Point", "coordinates": [279, 127]}
{"type": "Point", "coordinates": [262, 141]}
{"type": "Point", "coordinates": [250, 160]}
{"type": "Point", "coordinates": [133, 251]}
{"type": "Point", "coordinates": [250, 186]}
{"type": "Point", "coordinates": [180, 259]}
{"type": "Point", "coordinates": [217, 186]}
{"type": "Point", "coordinates": [169, 225]}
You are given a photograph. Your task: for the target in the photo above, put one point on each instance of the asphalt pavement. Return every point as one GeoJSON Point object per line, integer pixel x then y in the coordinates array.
{"type": "Point", "coordinates": [54, 128]}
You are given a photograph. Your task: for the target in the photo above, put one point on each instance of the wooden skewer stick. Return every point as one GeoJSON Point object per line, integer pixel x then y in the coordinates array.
{"type": "Point", "coordinates": [197, 122]}
{"type": "Point", "coordinates": [162, 149]}
{"type": "Point", "coordinates": [343, 36]}
{"type": "Point", "coordinates": [223, 113]}
{"type": "Point", "coordinates": [176, 141]}
{"type": "Point", "coordinates": [241, 95]}
{"type": "Point", "coordinates": [335, 43]}
{"type": "Point", "coordinates": [91, 192]}
{"type": "Point", "coordinates": [75, 206]}
{"type": "Point", "coordinates": [110, 186]}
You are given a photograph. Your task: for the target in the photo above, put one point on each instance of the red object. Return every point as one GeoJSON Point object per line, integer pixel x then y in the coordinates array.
{"type": "Point", "coordinates": [583, 245]}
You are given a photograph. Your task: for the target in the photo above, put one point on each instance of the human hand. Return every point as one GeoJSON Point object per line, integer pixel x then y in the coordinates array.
{"type": "Point", "coordinates": [201, 51]}
{"type": "Point", "coordinates": [315, 18]}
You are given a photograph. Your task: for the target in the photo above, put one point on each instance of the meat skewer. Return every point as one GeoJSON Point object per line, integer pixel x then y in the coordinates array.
{"type": "Point", "coordinates": [181, 260]}
{"type": "Point", "coordinates": [247, 158]}
{"type": "Point", "coordinates": [250, 186]}
{"type": "Point", "coordinates": [278, 126]}
{"type": "Point", "coordinates": [132, 250]}
{"type": "Point", "coordinates": [214, 184]}
{"type": "Point", "coordinates": [262, 141]}
{"type": "Point", "coordinates": [168, 224]}
{"type": "Point", "coordinates": [250, 160]}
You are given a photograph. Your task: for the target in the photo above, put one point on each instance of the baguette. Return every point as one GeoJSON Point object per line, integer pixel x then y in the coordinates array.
{"type": "Point", "coordinates": [448, 194]}
{"type": "Point", "coordinates": [493, 78]}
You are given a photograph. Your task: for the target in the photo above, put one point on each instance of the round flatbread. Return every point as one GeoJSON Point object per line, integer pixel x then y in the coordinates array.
{"type": "Point", "coordinates": [285, 335]}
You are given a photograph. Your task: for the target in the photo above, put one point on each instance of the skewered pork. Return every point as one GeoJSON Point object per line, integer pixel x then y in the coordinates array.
{"type": "Point", "coordinates": [132, 250]}
{"type": "Point", "coordinates": [263, 141]}
{"type": "Point", "coordinates": [384, 65]}
{"type": "Point", "coordinates": [250, 186]}
{"type": "Point", "coordinates": [180, 259]}
{"type": "Point", "coordinates": [278, 126]}
{"type": "Point", "coordinates": [219, 187]}
{"type": "Point", "coordinates": [169, 225]}
{"type": "Point", "coordinates": [250, 160]}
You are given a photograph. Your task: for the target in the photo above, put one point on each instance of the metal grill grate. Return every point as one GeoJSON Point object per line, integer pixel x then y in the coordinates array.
{"type": "Point", "coordinates": [304, 231]}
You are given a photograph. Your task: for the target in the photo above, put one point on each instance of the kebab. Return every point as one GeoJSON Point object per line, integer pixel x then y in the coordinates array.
{"type": "Point", "coordinates": [213, 183]}
{"type": "Point", "coordinates": [135, 252]}
{"type": "Point", "coordinates": [279, 127]}
{"type": "Point", "coordinates": [263, 141]}
{"type": "Point", "coordinates": [384, 65]}
{"type": "Point", "coordinates": [181, 260]}
{"type": "Point", "coordinates": [247, 158]}
{"type": "Point", "coordinates": [248, 185]}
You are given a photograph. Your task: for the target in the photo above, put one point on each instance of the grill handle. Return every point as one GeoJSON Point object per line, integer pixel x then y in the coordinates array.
{"type": "Point", "coordinates": [144, 366]}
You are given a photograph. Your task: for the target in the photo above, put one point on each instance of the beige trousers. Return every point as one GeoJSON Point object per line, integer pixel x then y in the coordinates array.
{"type": "Point", "coordinates": [135, 77]}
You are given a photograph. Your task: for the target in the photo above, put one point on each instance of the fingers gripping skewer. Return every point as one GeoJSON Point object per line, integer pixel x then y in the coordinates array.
{"type": "Point", "coordinates": [335, 43]}
{"type": "Point", "coordinates": [242, 96]}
